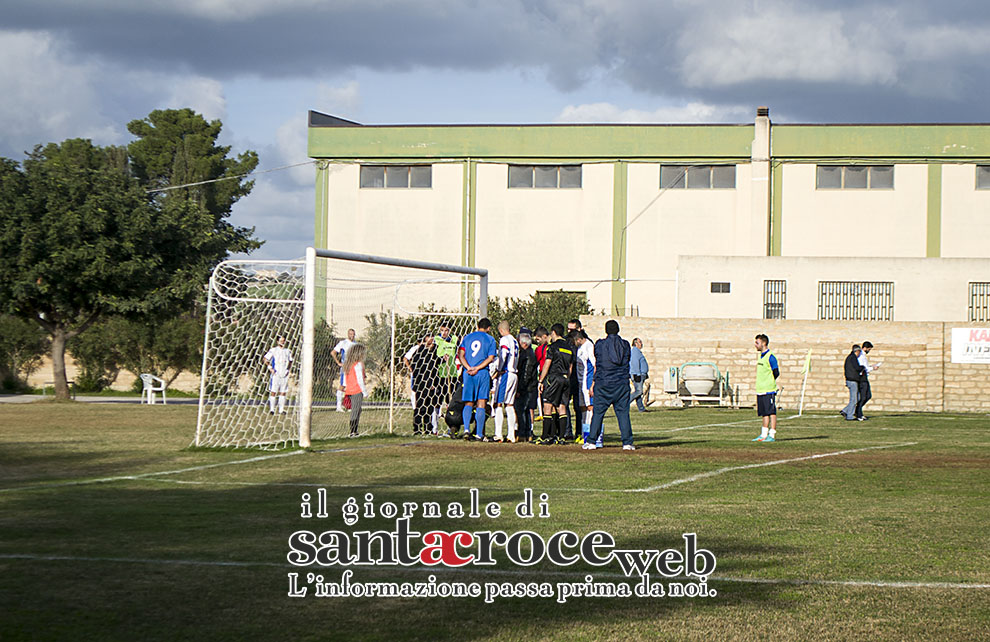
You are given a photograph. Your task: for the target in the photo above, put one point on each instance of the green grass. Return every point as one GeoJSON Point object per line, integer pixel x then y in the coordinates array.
{"type": "Point", "coordinates": [912, 513]}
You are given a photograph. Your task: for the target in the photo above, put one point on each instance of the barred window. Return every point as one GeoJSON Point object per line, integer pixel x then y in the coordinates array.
{"type": "Point", "coordinates": [856, 300]}
{"type": "Point", "coordinates": [396, 176]}
{"type": "Point", "coordinates": [979, 301]}
{"type": "Point", "coordinates": [545, 176]}
{"type": "Point", "coordinates": [775, 299]}
{"type": "Point", "coordinates": [983, 177]}
{"type": "Point", "coordinates": [855, 177]}
{"type": "Point", "coordinates": [697, 176]}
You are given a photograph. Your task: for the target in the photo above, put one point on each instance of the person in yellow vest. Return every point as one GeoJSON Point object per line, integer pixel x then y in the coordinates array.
{"type": "Point", "coordinates": [446, 346]}
{"type": "Point", "coordinates": [767, 372]}
{"type": "Point", "coordinates": [353, 369]}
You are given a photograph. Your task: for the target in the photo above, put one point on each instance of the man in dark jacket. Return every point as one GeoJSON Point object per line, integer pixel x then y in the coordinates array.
{"type": "Point", "coordinates": [854, 375]}
{"type": "Point", "coordinates": [528, 383]}
{"type": "Point", "coordinates": [611, 386]}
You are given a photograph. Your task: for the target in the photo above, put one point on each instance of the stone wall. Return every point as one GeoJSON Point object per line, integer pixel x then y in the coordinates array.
{"type": "Point", "coordinates": [916, 373]}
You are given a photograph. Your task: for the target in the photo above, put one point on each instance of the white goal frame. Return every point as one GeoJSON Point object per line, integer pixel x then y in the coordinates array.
{"type": "Point", "coordinates": [307, 364]}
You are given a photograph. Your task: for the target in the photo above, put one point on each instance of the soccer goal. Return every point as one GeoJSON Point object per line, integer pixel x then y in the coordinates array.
{"type": "Point", "coordinates": [403, 318]}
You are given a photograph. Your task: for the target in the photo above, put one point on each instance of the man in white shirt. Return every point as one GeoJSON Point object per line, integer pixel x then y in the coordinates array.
{"type": "Point", "coordinates": [339, 354]}
{"type": "Point", "coordinates": [864, 386]}
{"type": "Point", "coordinates": [278, 360]}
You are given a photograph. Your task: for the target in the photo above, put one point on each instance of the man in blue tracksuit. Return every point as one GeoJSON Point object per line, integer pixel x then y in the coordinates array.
{"type": "Point", "coordinates": [611, 385]}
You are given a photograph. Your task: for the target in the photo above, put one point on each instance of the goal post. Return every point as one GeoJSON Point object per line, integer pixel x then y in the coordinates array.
{"type": "Point", "coordinates": [322, 306]}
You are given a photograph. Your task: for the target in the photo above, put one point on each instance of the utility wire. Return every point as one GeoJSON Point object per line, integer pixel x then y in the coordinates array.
{"type": "Point", "coordinates": [230, 178]}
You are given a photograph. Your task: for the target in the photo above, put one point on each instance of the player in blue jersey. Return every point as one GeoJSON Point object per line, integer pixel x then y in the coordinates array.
{"type": "Point", "coordinates": [476, 352]}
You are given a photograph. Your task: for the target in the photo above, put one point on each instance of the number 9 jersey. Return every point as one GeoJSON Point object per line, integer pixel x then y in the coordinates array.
{"type": "Point", "coordinates": [477, 347]}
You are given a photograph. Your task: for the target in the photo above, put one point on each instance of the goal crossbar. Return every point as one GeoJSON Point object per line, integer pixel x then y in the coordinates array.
{"type": "Point", "coordinates": [309, 308]}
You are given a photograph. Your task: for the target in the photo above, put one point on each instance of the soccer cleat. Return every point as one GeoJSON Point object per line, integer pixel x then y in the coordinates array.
{"type": "Point", "coordinates": [588, 446]}
{"type": "Point", "coordinates": [497, 440]}
{"type": "Point", "coordinates": [761, 438]}
{"type": "Point", "coordinates": [628, 447]}
{"type": "Point", "coordinates": [769, 439]}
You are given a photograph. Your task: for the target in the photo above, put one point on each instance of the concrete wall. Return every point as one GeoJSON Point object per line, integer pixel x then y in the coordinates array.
{"type": "Point", "coordinates": [421, 224]}
{"type": "Point", "coordinates": [854, 222]}
{"type": "Point", "coordinates": [965, 213]}
{"type": "Point", "coordinates": [924, 289]}
{"type": "Point", "coordinates": [662, 226]}
{"type": "Point", "coordinates": [916, 373]}
{"type": "Point", "coordinates": [545, 239]}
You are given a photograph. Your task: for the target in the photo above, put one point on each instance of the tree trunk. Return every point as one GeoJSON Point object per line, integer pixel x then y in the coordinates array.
{"type": "Point", "coordinates": [58, 364]}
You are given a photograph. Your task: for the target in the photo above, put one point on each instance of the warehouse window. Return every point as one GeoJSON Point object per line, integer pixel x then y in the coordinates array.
{"type": "Point", "coordinates": [545, 176]}
{"type": "Point", "coordinates": [856, 300]}
{"type": "Point", "coordinates": [697, 176]}
{"type": "Point", "coordinates": [983, 177]}
{"type": "Point", "coordinates": [979, 301]}
{"type": "Point", "coordinates": [396, 176]}
{"type": "Point", "coordinates": [721, 287]}
{"type": "Point", "coordinates": [855, 177]}
{"type": "Point", "coordinates": [775, 299]}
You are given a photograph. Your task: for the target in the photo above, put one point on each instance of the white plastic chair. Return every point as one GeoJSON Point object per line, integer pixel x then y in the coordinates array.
{"type": "Point", "coordinates": [152, 384]}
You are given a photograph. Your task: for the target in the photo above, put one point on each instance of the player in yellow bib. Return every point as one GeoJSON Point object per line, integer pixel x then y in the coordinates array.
{"type": "Point", "coordinates": [767, 371]}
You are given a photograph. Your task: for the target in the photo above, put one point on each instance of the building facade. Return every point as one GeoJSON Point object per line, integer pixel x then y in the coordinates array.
{"type": "Point", "coordinates": [663, 220]}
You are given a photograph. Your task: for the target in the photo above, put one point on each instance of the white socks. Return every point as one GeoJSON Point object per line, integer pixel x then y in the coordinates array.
{"type": "Point", "coordinates": [773, 433]}
{"type": "Point", "coordinates": [510, 411]}
{"type": "Point", "coordinates": [499, 418]}
{"type": "Point", "coordinates": [271, 402]}
{"type": "Point", "coordinates": [763, 433]}
{"type": "Point", "coordinates": [340, 400]}
{"type": "Point", "coordinates": [281, 403]}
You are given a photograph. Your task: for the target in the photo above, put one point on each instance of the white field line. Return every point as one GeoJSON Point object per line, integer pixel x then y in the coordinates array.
{"type": "Point", "coordinates": [104, 480]}
{"type": "Point", "coordinates": [577, 575]}
{"type": "Point", "coordinates": [722, 471]}
{"type": "Point", "coordinates": [648, 489]}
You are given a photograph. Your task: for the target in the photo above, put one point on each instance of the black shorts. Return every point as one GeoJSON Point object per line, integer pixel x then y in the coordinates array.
{"type": "Point", "coordinates": [556, 391]}
{"type": "Point", "coordinates": [766, 405]}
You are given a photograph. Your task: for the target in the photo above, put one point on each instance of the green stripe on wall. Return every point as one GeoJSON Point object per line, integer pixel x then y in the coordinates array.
{"type": "Point", "coordinates": [933, 247]}
{"type": "Point", "coordinates": [620, 207]}
{"type": "Point", "coordinates": [776, 205]}
{"type": "Point", "coordinates": [559, 142]}
{"type": "Point", "coordinates": [320, 225]}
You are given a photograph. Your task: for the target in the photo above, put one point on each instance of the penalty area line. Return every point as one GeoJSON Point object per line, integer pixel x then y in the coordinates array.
{"type": "Point", "coordinates": [190, 469]}
{"type": "Point", "coordinates": [778, 462]}
{"type": "Point", "coordinates": [579, 575]}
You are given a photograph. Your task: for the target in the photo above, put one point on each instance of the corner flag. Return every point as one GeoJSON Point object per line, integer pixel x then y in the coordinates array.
{"type": "Point", "coordinates": [807, 364]}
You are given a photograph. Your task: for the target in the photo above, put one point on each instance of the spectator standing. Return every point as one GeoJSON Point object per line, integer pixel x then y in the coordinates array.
{"type": "Point", "coordinates": [865, 393]}
{"type": "Point", "coordinates": [639, 372]}
{"type": "Point", "coordinates": [611, 386]}
{"type": "Point", "coordinates": [854, 376]}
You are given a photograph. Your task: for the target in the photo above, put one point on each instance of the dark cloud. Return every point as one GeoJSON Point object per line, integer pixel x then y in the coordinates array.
{"type": "Point", "coordinates": [832, 60]}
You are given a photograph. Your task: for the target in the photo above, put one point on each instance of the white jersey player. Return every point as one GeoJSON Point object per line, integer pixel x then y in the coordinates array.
{"type": "Point", "coordinates": [278, 359]}
{"type": "Point", "coordinates": [339, 354]}
{"type": "Point", "coordinates": [585, 377]}
{"type": "Point", "coordinates": [508, 377]}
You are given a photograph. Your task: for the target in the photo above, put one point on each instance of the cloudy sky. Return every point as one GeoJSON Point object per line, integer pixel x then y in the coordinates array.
{"type": "Point", "coordinates": [71, 68]}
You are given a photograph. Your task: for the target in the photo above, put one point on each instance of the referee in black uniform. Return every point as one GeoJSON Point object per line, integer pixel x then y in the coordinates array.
{"type": "Point", "coordinates": [555, 386]}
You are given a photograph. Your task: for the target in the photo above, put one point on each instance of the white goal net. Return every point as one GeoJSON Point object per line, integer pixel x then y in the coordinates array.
{"type": "Point", "coordinates": [402, 319]}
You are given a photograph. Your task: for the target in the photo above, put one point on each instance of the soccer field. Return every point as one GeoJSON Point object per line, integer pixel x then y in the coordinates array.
{"type": "Point", "coordinates": [112, 528]}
